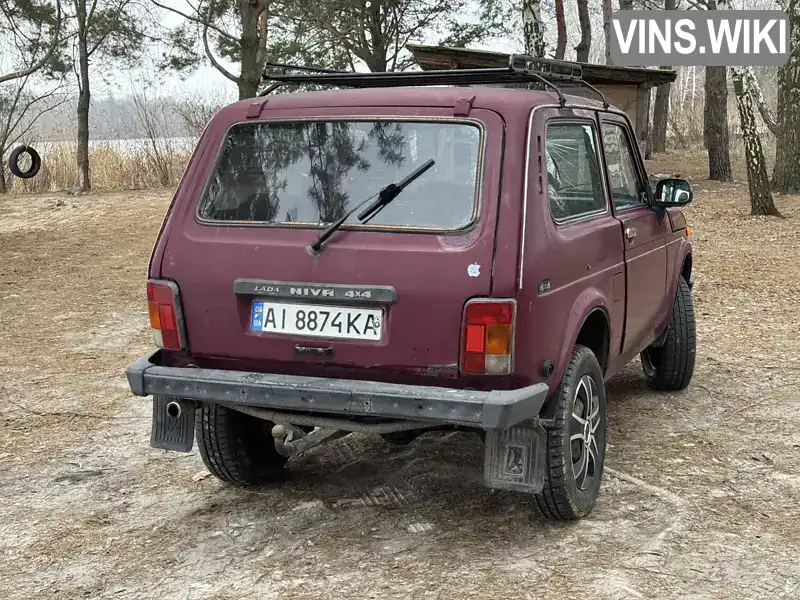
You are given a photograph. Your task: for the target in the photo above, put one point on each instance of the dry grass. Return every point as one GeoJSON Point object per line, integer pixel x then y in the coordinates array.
{"type": "Point", "coordinates": [111, 168]}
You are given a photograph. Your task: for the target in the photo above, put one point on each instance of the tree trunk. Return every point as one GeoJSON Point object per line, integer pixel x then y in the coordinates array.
{"type": "Point", "coordinates": [786, 173]}
{"type": "Point", "coordinates": [716, 135]}
{"type": "Point", "coordinates": [532, 28]}
{"type": "Point", "coordinates": [607, 10]}
{"type": "Point", "coordinates": [250, 77]}
{"type": "Point", "coordinates": [582, 49]}
{"type": "Point", "coordinates": [661, 108]}
{"type": "Point", "coordinates": [761, 202]}
{"type": "Point", "coordinates": [3, 186]}
{"type": "Point", "coordinates": [658, 136]}
{"type": "Point", "coordinates": [84, 100]}
{"type": "Point", "coordinates": [758, 97]}
{"type": "Point", "coordinates": [379, 41]}
{"type": "Point", "coordinates": [561, 30]}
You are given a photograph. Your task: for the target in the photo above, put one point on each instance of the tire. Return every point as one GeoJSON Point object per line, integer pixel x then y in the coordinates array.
{"type": "Point", "coordinates": [570, 492]}
{"type": "Point", "coordinates": [400, 438]}
{"type": "Point", "coordinates": [13, 162]}
{"type": "Point", "coordinates": [237, 448]}
{"type": "Point", "coordinates": [668, 364]}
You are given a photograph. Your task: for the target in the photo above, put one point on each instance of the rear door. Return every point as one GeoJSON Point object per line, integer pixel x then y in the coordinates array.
{"type": "Point", "coordinates": [387, 294]}
{"type": "Point", "coordinates": [643, 231]}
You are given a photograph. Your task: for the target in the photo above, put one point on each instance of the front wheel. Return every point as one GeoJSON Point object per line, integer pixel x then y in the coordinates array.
{"type": "Point", "coordinates": [670, 365]}
{"type": "Point", "coordinates": [576, 445]}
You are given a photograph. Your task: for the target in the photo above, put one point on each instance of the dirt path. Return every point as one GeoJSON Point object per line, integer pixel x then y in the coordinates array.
{"type": "Point", "coordinates": [700, 500]}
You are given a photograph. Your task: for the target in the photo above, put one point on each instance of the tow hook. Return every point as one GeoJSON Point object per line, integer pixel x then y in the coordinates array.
{"type": "Point", "coordinates": [291, 440]}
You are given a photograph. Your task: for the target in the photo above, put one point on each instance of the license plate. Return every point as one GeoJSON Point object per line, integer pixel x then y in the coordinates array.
{"type": "Point", "coordinates": [317, 320]}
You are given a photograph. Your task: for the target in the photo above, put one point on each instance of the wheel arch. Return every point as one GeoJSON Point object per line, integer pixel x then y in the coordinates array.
{"type": "Point", "coordinates": [686, 268]}
{"type": "Point", "coordinates": [589, 325]}
{"type": "Point", "coordinates": [593, 330]}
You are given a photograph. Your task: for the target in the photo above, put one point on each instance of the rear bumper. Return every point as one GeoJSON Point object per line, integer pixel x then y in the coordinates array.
{"type": "Point", "coordinates": [493, 410]}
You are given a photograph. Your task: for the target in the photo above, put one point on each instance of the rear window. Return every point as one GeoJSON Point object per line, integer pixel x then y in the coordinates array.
{"type": "Point", "coordinates": [311, 173]}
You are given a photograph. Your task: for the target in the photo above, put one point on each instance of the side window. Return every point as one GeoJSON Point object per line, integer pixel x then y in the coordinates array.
{"type": "Point", "coordinates": [574, 184]}
{"type": "Point", "coordinates": [623, 177]}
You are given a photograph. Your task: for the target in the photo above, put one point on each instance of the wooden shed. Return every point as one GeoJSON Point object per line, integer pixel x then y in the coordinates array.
{"type": "Point", "coordinates": [627, 88]}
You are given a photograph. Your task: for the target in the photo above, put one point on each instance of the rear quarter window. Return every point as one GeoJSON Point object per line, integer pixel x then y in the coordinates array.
{"type": "Point", "coordinates": [574, 181]}
{"type": "Point", "coordinates": [311, 173]}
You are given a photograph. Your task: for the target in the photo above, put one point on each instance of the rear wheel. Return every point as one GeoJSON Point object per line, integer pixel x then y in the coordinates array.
{"type": "Point", "coordinates": [669, 366]}
{"type": "Point", "coordinates": [576, 445]}
{"type": "Point", "coordinates": [237, 448]}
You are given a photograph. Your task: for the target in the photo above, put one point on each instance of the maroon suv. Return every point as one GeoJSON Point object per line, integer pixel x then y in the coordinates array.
{"type": "Point", "coordinates": [403, 252]}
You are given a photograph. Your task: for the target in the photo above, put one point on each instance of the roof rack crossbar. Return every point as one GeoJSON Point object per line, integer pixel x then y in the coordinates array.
{"type": "Point", "coordinates": [285, 67]}
{"type": "Point", "coordinates": [512, 74]}
{"type": "Point", "coordinates": [561, 99]}
{"type": "Point", "coordinates": [575, 70]}
{"type": "Point", "coordinates": [603, 99]}
{"type": "Point", "coordinates": [546, 65]}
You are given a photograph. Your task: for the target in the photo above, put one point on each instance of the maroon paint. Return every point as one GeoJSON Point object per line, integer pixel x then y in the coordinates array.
{"type": "Point", "coordinates": [585, 262]}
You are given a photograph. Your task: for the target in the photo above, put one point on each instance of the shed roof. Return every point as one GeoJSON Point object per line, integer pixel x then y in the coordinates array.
{"type": "Point", "coordinates": [444, 57]}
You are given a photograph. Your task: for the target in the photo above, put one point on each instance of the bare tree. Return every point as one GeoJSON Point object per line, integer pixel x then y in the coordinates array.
{"type": "Point", "coordinates": [716, 136]}
{"type": "Point", "coordinates": [532, 28]}
{"type": "Point", "coordinates": [661, 107]}
{"type": "Point", "coordinates": [196, 111]}
{"type": "Point", "coordinates": [151, 127]}
{"type": "Point", "coordinates": [761, 201]}
{"type": "Point", "coordinates": [786, 174]}
{"type": "Point", "coordinates": [607, 10]}
{"type": "Point", "coordinates": [585, 45]}
{"type": "Point", "coordinates": [561, 30]}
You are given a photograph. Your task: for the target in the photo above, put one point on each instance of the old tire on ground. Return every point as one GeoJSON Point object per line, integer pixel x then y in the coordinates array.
{"type": "Point", "coordinates": [237, 448]}
{"type": "Point", "coordinates": [13, 162]}
{"type": "Point", "coordinates": [670, 365]}
{"type": "Point", "coordinates": [576, 445]}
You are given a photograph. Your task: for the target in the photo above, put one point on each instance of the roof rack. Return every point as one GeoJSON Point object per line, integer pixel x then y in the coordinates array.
{"type": "Point", "coordinates": [547, 73]}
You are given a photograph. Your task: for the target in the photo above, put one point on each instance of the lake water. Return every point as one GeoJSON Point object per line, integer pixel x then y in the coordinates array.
{"type": "Point", "coordinates": [121, 145]}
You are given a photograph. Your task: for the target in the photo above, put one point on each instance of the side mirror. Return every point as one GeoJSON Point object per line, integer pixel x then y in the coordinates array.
{"type": "Point", "coordinates": [672, 192]}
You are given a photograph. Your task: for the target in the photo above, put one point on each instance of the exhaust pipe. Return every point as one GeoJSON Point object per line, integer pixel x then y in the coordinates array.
{"type": "Point", "coordinates": [289, 440]}
{"type": "Point", "coordinates": [174, 410]}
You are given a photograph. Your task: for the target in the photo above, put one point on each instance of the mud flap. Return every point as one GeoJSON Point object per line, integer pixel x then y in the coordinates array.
{"type": "Point", "coordinates": [514, 458]}
{"type": "Point", "coordinates": [172, 427]}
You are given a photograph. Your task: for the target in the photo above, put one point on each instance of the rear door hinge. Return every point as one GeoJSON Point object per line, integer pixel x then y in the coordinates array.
{"type": "Point", "coordinates": [463, 106]}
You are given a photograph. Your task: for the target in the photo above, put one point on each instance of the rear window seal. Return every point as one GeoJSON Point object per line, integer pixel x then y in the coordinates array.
{"type": "Point", "coordinates": [477, 199]}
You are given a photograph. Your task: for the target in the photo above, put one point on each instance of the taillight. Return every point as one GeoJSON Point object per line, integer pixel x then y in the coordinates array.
{"type": "Point", "coordinates": [166, 319]}
{"type": "Point", "coordinates": [487, 337]}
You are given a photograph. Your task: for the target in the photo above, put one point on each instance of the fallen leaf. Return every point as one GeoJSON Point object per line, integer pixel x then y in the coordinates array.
{"type": "Point", "coordinates": [200, 476]}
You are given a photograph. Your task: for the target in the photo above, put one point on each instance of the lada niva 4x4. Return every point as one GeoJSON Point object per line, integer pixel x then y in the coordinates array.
{"type": "Point", "coordinates": [396, 253]}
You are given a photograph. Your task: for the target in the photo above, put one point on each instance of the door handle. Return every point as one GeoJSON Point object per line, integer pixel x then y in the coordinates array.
{"type": "Point", "coordinates": [630, 233]}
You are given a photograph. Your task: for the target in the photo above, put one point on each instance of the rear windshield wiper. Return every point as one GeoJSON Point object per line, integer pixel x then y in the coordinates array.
{"type": "Point", "coordinates": [385, 196]}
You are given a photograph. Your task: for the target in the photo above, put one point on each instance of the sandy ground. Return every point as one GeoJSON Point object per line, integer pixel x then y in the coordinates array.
{"type": "Point", "coordinates": [701, 499]}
